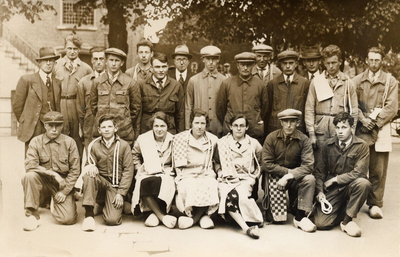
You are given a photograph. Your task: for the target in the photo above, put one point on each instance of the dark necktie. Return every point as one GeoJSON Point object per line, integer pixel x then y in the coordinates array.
{"type": "Point", "coordinates": [312, 76]}
{"type": "Point", "coordinates": [238, 144]}
{"type": "Point", "coordinates": [342, 146]}
{"type": "Point", "coordinates": [288, 81]}
{"type": "Point", "coordinates": [287, 141]}
{"type": "Point", "coordinates": [181, 79]}
{"type": "Point", "coordinates": [159, 82]}
{"type": "Point", "coordinates": [48, 81]}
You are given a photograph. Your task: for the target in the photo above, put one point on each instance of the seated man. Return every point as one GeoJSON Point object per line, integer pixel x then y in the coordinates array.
{"type": "Point", "coordinates": [52, 167]}
{"type": "Point", "coordinates": [341, 177]}
{"type": "Point", "coordinates": [110, 173]}
{"type": "Point", "coordinates": [288, 160]}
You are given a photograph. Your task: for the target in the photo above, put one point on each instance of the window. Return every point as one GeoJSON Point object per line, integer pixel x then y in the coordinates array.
{"type": "Point", "coordinates": [71, 18]}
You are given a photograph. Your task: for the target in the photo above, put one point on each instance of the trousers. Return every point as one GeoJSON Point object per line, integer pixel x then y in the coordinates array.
{"type": "Point", "coordinates": [378, 165]}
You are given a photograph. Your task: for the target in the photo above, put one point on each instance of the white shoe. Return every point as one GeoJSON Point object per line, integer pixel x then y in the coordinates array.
{"type": "Point", "coordinates": [88, 224]}
{"type": "Point", "coordinates": [169, 221]}
{"type": "Point", "coordinates": [375, 212]}
{"type": "Point", "coordinates": [31, 223]}
{"type": "Point", "coordinates": [352, 229]}
{"type": "Point", "coordinates": [185, 222]}
{"type": "Point", "coordinates": [305, 224]}
{"type": "Point", "coordinates": [206, 222]}
{"type": "Point", "coordinates": [152, 221]}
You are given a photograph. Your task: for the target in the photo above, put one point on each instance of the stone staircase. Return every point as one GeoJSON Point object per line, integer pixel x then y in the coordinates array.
{"type": "Point", "coordinates": [13, 64]}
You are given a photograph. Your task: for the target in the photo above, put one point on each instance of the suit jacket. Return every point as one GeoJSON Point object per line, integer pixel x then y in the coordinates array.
{"type": "Point", "coordinates": [27, 103]}
{"type": "Point", "coordinates": [172, 74]}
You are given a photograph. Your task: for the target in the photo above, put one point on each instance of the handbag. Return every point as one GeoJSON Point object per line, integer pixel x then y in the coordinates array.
{"type": "Point", "coordinates": [384, 141]}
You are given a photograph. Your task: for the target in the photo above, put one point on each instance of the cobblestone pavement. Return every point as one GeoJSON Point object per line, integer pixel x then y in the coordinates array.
{"type": "Point", "coordinates": [132, 238]}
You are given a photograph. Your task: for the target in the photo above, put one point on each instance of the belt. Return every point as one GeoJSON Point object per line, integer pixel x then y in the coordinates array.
{"type": "Point", "coordinates": [326, 114]}
{"type": "Point", "coordinates": [68, 97]}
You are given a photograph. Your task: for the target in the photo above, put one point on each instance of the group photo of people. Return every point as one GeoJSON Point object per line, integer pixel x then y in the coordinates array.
{"type": "Point", "coordinates": [181, 149]}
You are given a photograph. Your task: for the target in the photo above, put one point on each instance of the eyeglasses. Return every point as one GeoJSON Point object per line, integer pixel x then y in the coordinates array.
{"type": "Point", "coordinates": [181, 60]}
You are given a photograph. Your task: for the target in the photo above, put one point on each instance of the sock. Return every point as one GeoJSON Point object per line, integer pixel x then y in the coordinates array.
{"type": "Point", "coordinates": [34, 212]}
{"type": "Point", "coordinates": [300, 214]}
{"type": "Point", "coordinates": [347, 219]}
{"type": "Point", "coordinates": [89, 211]}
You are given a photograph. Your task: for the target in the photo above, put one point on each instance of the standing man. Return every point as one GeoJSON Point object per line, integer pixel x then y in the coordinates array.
{"type": "Point", "coordinates": [377, 101]}
{"type": "Point", "coordinates": [311, 58]}
{"type": "Point", "coordinates": [115, 93]}
{"type": "Point", "coordinates": [52, 166]}
{"type": "Point", "coordinates": [287, 90]}
{"type": "Point", "coordinates": [264, 69]}
{"type": "Point", "coordinates": [143, 69]}
{"type": "Point", "coordinates": [83, 94]}
{"type": "Point", "coordinates": [287, 159]}
{"type": "Point", "coordinates": [161, 93]}
{"type": "Point", "coordinates": [36, 95]}
{"type": "Point", "coordinates": [203, 88]}
{"type": "Point", "coordinates": [341, 177]}
{"type": "Point", "coordinates": [70, 70]}
{"type": "Point", "coordinates": [330, 93]}
{"type": "Point", "coordinates": [227, 70]}
{"type": "Point", "coordinates": [181, 72]}
{"type": "Point", "coordinates": [243, 94]}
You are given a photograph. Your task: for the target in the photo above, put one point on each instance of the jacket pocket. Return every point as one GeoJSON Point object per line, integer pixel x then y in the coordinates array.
{"type": "Point", "coordinates": [120, 97]}
{"type": "Point", "coordinates": [63, 164]}
{"type": "Point", "coordinates": [44, 159]}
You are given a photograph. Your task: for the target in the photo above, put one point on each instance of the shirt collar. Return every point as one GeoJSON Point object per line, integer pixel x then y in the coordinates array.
{"type": "Point", "coordinates": [47, 140]}
{"type": "Point", "coordinates": [163, 81]}
{"type": "Point", "coordinates": [109, 142]}
{"type": "Point", "coordinates": [376, 75]}
{"type": "Point", "coordinates": [290, 77]}
{"type": "Point", "coordinates": [178, 74]}
{"type": "Point", "coordinates": [43, 75]}
{"type": "Point", "coordinates": [211, 74]}
{"type": "Point", "coordinates": [347, 142]}
{"type": "Point", "coordinates": [96, 74]}
{"type": "Point", "coordinates": [295, 135]}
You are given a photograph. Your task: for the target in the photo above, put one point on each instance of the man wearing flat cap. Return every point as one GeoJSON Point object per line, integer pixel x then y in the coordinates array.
{"type": "Point", "coordinates": [70, 70]}
{"type": "Point", "coordinates": [288, 162]}
{"type": "Point", "coordinates": [143, 69]}
{"type": "Point", "coordinates": [287, 90]}
{"type": "Point", "coordinates": [311, 58]}
{"type": "Point", "coordinates": [114, 92]}
{"type": "Point", "coordinates": [181, 73]}
{"type": "Point", "coordinates": [203, 88]}
{"type": "Point", "coordinates": [36, 95]}
{"type": "Point", "coordinates": [52, 167]}
{"type": "Point", "coordinates": [243, 94]}
{"type": "Point", "coordinates": [264, 69]}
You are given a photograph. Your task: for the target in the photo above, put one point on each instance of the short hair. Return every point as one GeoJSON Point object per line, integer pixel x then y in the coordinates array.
{"type": "Point", "coordinates": [238, 116]}
{"type": "Point", "coordinates": [160, 116]}
{"type": "Point", "coordinates": [377, 50]}
{"type": "Point", "coordinates": [97, 49]}
{"type": "Point", "coordinates": [343, 116]}
{"type": "Point", "coordinates": [331, 50]}
{"type": "Point", "coordinates": [107, 117]}
{"type": "Point", "coordinates": [144, 42]}
{"type": "Point", "coordinates": [161, 57]}
{"type": "Point", "coordinates": [77, 41]}
{"type": "Point", "coordinates": [198, 113]}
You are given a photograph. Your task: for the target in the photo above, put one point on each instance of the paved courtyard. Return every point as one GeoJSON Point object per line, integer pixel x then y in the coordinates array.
{"type": "Point", "coordinates": [132, 238]}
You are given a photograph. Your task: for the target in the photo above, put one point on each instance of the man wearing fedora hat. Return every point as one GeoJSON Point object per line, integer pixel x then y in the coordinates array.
{"type": "Point", "coordinates": [203, 88]}
{"type": "Point", "coordinates": [36, 95]}
{"type": "Point", "coordinates": [181, 72]}
{"type": "Point", "coordinates": [264, 69]}
{"type": "Point", "coordinates": [287, 90]}
{"type": "Point", "coordinates": [52, 167]}
{"type": "Point", "coordinates": [70, 70]}
{"type": "Point", "coordinates": [311, 58]}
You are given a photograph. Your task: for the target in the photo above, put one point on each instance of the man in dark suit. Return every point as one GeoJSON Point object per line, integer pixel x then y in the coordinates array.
{"type": "Point", "coordinates": [36, 95]}
{"type": "Point", "coordinates": [311, 58]}
{"type": "Point", "coordinates": [181, 72]}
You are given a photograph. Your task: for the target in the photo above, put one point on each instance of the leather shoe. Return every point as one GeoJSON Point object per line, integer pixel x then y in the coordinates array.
{"type": "Point", "coordinates": [185, 222]}
{"type": "Point", "coordinates": [31, 223]}
{"type": "Point", "coordinates": [169, 221]}
{"type": "Point", "coordinates": [305, 224]}
{"type": "Point", "coordinates": [206, 222]}
{"type": "Point", "coordinates": [88, 224]}
{"type": "Point", "coordinates": [375, 212]}
{"type": "Point", "coordinates": [152, 221]}
{"type": "Point", "coordinates": [253, 232]}
{"type": "Point", "coordinates": [351, 228]}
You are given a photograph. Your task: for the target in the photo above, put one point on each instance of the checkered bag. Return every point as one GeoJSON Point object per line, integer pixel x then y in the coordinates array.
{"type": "Point", "coordinates": [277, 200]}
{"type": "Point", "coordinates": [180, 149]}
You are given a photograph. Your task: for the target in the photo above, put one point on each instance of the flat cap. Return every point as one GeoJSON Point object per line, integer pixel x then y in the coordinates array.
{"type": "Point", "coordinates": [210, 51]}
{"type": "Point", "coordinates": [53, 117]}
{"type": "Point", "coordinates": [181, 50]}
{"type": "Point", "coordinates": [262, 48]}
{"type": "Point", "coordinates": [245, 57]}
{"type": "Point", "coordinates": [311, 52]}
{"type": "Point", "coordinates": [288, 54]}
{"type": "Point", "coordinates": [289, 114]}
{"type": "Point", "coordinates": [115, 51]}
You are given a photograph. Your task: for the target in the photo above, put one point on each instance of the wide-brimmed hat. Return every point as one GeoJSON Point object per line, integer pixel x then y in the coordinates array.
{"type": "Point", "coordinates": [46, 53]}
{"type": "Point", "coordinates": [311, 52]}
{"type": "Point", "coordinates": [181, 50]}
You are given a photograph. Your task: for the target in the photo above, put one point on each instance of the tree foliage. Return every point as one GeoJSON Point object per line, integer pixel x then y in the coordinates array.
{"type": "Point", "coordinates": [30, 9]}
{"type": "Point", "coordinates": [354, 25]}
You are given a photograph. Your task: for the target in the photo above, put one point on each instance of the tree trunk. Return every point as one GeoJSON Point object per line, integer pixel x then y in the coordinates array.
{"type": "Point", "coordinates": [118, 35]}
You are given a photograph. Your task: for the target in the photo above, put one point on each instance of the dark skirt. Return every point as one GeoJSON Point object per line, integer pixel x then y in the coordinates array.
{"type": "Point", "coordinates": [150, 186]}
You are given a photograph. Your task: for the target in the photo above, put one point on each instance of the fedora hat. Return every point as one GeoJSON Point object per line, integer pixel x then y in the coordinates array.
{"type": "Point", "coordinates": [46, 53]}
{"type": "Point", "coordinates": [311, 52]}
{"type": "Point", "coordinates": [181, 50]}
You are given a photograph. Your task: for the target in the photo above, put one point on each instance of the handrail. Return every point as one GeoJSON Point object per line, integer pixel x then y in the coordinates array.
{"type": "Point", "coordinates": [20, 44]}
